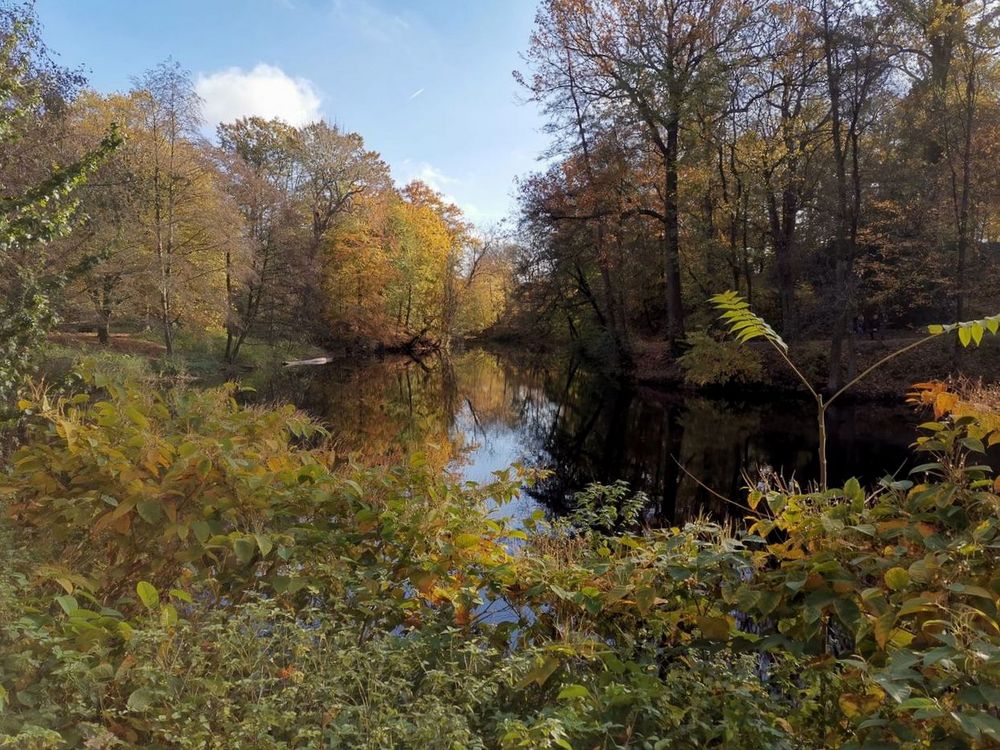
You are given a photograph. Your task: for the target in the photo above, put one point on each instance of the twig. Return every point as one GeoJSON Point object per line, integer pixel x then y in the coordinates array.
{"type": "Point", "coordinates": [710, 490]}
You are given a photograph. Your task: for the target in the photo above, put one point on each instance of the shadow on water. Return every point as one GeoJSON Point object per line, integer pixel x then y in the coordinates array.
{"type": "Point", "coordinates": [492, 410]}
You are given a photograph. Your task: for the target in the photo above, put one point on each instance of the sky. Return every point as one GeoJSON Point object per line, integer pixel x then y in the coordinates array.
{"type": "Point", "coordinates": [427, 83]}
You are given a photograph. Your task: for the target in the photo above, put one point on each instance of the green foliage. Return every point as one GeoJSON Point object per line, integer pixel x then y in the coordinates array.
{"type": "Point", "coordinates": [189, 573]}
{"type": "Point", "coordinates": [969, 332]}
{"type": "Point", "coordinates": [36, 216]}
{"type": "Point", "coordinates": [709, 361]}
{"type": "Point", "coordinates": [743, 323]}
{"type": "Point", "coordinates": [606, 509]}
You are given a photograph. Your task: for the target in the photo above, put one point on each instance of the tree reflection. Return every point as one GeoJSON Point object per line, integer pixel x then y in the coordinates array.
{"type": "Point", "coordinates": [480, 411]}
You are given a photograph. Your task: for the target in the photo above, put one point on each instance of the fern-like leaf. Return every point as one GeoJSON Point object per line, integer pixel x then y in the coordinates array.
{"type": "Point", "coordinates": [743, 324]}
{"type": "Point", "coordinates": [969, 331]}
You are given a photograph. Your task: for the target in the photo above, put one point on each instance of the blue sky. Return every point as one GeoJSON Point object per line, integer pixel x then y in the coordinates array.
{"type": "Point", "coordinates": [426, 82]}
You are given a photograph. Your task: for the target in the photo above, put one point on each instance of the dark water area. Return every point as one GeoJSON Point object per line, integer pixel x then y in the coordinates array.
{"type": "Point", "coordinates": [481, 411]}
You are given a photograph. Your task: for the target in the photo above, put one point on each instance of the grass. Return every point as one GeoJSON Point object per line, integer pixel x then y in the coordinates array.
{"type": "Point", "coordinates": [197, 356]}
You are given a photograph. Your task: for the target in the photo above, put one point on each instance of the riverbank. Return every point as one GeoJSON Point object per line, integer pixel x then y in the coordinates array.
{"type": "Point", "coordinates": [936, 360]}
{"type": "Point", "coordinates": [654, 365]}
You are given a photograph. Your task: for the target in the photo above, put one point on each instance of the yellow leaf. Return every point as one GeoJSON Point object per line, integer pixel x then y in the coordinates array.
{"type": "Point", "coordinates": [714, 628]}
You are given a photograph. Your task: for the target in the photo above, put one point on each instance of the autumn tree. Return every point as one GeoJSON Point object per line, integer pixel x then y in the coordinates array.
{"type": "Point", "coordinates": [258, 159]}
{"type": "Point", "coordinates": [107, 249]}
{"type": "Point", "coordinates": [187, 214]}
{"type": "Point", "coordinates": [36, 206]}
{"type": "Point", "coordinates": [654, 62]}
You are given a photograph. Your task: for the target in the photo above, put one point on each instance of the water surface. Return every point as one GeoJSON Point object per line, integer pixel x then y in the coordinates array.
{"type": "Point", "coordinates": [481, 411]}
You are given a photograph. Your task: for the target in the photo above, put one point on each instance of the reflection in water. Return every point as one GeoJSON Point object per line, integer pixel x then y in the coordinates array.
{"type": "Point", "coordinates": [494, 410]}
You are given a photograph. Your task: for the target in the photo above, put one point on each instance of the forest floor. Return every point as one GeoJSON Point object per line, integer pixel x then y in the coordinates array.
{"type": "Point", "coordinates": [124, 343]}
{"type": "Point", "coordinates": [199, 355]}
{"type": "Point", "coordinates": [937, 360]}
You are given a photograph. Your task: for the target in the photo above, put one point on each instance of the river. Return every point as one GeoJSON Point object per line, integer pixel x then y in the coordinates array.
{"type": "Point", "coordinates": [481, 411]}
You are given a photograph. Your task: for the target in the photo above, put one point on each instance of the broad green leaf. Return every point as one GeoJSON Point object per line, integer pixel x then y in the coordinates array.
{"type": "Point", "coordinates": [148, 594]}
{"type": "Point", "coordinates": [540, 673]}
{"type": "Point", "coordinates": [168, 615]}
{"type": "Point", "coordinates": [571, 692]}
{"type": "Point", "coordinates": [714, 628]}
{"type": "Point", "coordinates": [140, 700]}
{"type": "Point", "coordinates": [244, 549]}
{"type": "Point", "coordinates": [149, 510]}
{"type": "Point", "coordinates": [201, 531]}
{"type": "Point", "coordinates": [264, 544]}
{"type": "Point", "coordinates": [136, 417]}
{"type": "Point", "coordinates": [897, 578]}
{"type": "Point", "coordinates": [853, 491]}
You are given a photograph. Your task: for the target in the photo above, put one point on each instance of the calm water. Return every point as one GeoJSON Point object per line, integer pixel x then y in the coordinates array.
{"type": "Point", "coordinates": [481, 411]}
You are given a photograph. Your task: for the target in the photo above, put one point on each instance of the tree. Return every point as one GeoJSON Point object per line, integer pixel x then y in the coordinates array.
{"type": "Point", "coordinates": [181, 192]}
{"type": "Point", "coordinates": [334, 172]}
{"type": "Point", "coordinates": [105, 255]}
{"type": "Point", "coordinates": [258, 158]}
{"type": "Point", "coordinates": [653, 61]}
{"type": "Point", "coordinates": [36, 213]}
{"type": "Point", "coordinates": [855, 65]}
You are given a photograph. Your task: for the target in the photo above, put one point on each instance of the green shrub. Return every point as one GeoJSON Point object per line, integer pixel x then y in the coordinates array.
{"type": "Point", "coordinates": [259, 594]}
{"type": "Point", "coordinates": [709, 361]}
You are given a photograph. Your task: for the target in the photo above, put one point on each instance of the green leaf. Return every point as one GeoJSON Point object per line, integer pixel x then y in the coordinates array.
{"type": "Point", "coordinates": [853, 491]}
{"type": "Point", "coordinates": [965, 336]}
{"type": "Point", "coordinates": [960, 588]}
{"type": "Point", "coordinates": [264, 544]}
{"type": "Point", "coordinates": [168, 615]}
{"type": "Point", "coordinates": [743, 324]}
{"type": "Point", "coordinates": [897, 578]}
{"type": "Point", "coordinates": [149, 510]}
{"type": "Point", "coordinates": [136, 417]}
{"type": "Point", "coordinates": [148, 594]}
{"type": "Point", "coordinates": [464, 541]}
{"type": "Point", "coordinates": [540, 673]}
{"type": "Point", "coordinates": [68, 603]}
{"type": "Point", "coordinates": [714, 628]}
{"type": "Point", "coordinates": [913, 704]}
{"type": "Point", "coordinates": [141, 699]}
{"type": "Point", "coordinates": [201, 531]}
{"type": "Point", "coordinates": [572, 692]}
{"type": "Point", "coordinates": [244, 549]}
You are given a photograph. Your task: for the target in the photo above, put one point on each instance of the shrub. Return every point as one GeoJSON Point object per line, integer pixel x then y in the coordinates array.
{"type": "Point", "coordinates": [709, 361]}
{"type": "Point", "coordinates": [262, 595]}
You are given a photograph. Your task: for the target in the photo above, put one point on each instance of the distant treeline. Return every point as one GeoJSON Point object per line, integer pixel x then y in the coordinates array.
{"type": "Point", "coordinates": [266, 230]}
{"type": "Point", "coordinates": [835, 161]}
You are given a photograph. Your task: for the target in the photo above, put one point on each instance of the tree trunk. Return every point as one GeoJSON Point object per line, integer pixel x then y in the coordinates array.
{"type": "Point", "coordinates": [843, 245]}
{"type": "Point", "coordinates": [782, 220]}
{"type": "Point", "coordinates": [671, 248]}
{"type": "Point", "coordinates": [966, 195]}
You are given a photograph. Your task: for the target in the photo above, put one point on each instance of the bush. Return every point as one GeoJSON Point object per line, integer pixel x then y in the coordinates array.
{"type": "Point", "coordinates": [709, 361]}
{"type": "Point", "coordinates": [259, 594]}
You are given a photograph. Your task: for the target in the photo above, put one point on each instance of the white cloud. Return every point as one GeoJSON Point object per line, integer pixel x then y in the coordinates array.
{"type": "Point", "coordinates": [428, 174]}
{"type": "Point", "coordinates": [415, 94]}
{"type": "Point", "coordinates": [447, 186]}
{"type": "Point", "coordinates": [266, 91]}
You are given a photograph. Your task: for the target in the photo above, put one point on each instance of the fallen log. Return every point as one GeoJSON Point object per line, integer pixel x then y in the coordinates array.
{"type": "Point", "coordinates": [306, 362]}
